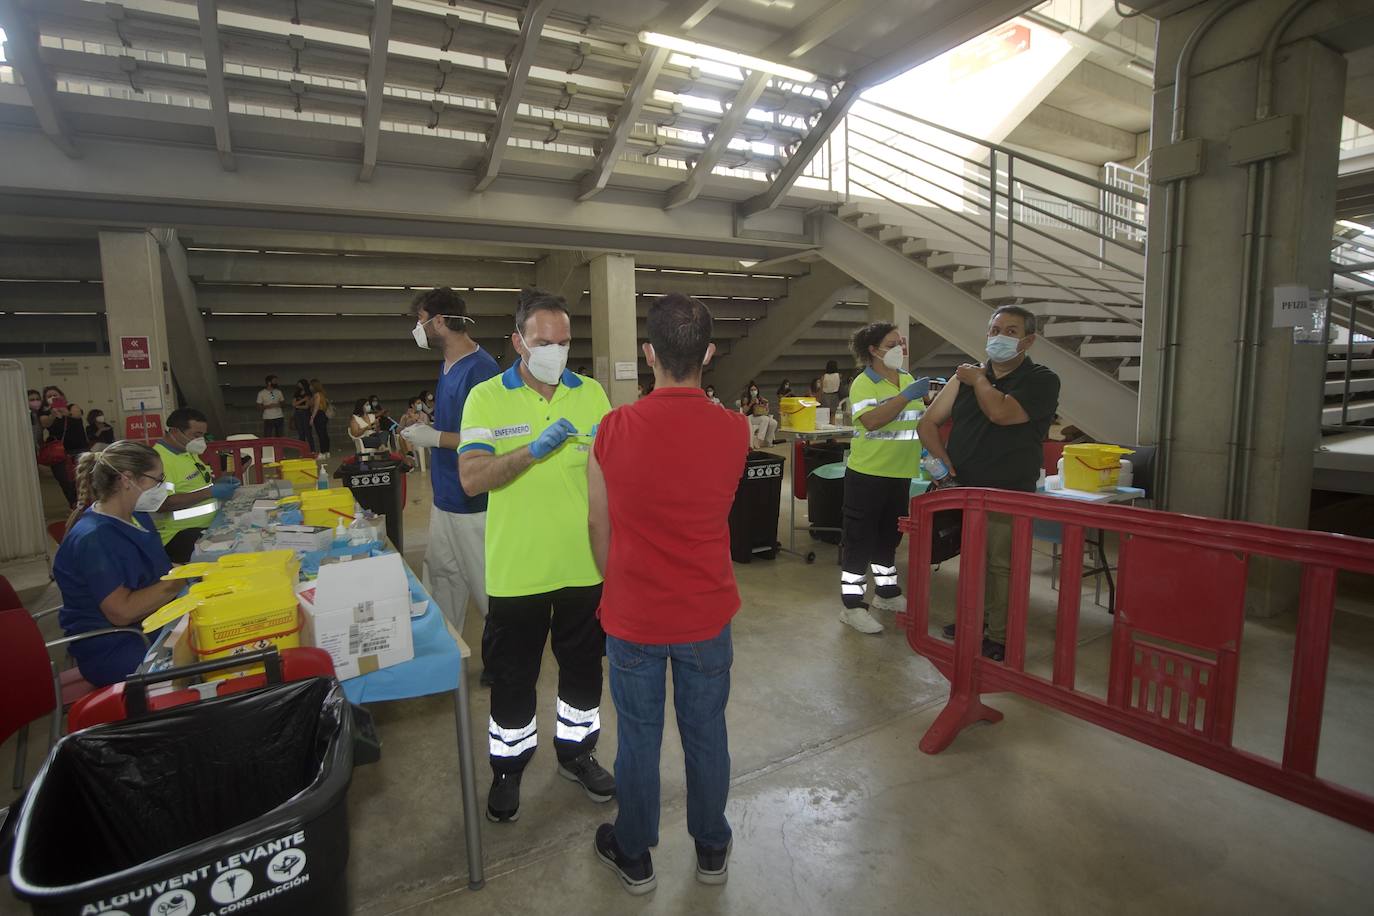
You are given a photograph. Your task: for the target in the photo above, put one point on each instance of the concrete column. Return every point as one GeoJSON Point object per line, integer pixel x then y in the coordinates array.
{"type": "Point", "coordinates": [615, 337]}
{"type": "Point", "coordinates": [131, 273]}
{"type": "Point", "coordinates": [1211, 251]}
{"type": "Point", "coordinates": [880, 309]}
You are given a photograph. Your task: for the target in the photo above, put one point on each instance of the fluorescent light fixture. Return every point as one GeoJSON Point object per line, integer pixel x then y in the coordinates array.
{"type": "Point", "coordinates": [734, 58]}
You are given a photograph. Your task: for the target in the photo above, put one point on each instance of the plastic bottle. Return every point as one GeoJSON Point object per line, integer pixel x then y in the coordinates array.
{"type": "Point", "coordinates": [340, 534]}
{"type": "Point", "coordinates": [323, 482]}
{"type": "Point", "coordinates": [935, 468]}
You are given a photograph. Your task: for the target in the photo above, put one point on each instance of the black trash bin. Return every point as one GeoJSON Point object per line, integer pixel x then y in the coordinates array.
{"type": "Point", "coordinates": [819, 454]}
{"type": "Point", "coordinates": [234, 804]}
{"type": "Point", "coordinates": [754, 514]}
{"type": "Point", "coordinates": [825, 502]}
{"type": "Point", "coordinates": [378, 483]}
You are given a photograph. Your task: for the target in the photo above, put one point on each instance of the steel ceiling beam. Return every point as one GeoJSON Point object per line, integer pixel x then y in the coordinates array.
{"type": "Point", "coordinates": [729, 125]}
{"type": "Point", "coordinates": [819, 27]}
{"type": "Point", "coordinates": [376, 77]}
{"type": "Point", "coordinates": [517, 74]}
{"type": "Point", "coordinates": [640, 90]}
{"type": "Point", "coordinates": [21, 51]}
{"type": "Point", "coordinates": [966, 24]}
{"type": "Point", "coordinates": [208, 11]}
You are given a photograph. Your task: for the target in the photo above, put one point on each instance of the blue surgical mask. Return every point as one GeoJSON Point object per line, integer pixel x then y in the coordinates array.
{"type": "Point", "coordinates": [1002, 348]}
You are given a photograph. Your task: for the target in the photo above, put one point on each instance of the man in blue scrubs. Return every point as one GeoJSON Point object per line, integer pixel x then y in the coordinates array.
{"type": "Point", "coordinates": [455, 564]}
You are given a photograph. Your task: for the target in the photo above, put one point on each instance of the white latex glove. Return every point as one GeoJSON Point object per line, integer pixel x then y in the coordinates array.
{"type": "Point", "coordinates": [421, 435]}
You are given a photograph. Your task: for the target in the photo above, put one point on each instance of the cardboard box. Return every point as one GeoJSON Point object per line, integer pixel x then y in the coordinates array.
{"type": "Point", "coordinates": [359, 612]}
{"type": "Point", "coordinates": [304, 537]}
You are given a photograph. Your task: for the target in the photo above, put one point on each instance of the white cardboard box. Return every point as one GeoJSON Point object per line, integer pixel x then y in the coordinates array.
{"type": "Point", "coordinates": [359, 612]}
{"type": "Point", "coordinates": [304, 537]}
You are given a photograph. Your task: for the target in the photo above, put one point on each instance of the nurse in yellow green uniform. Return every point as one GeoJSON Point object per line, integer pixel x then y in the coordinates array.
{"type": "Point", "coordinates": [886, 454]}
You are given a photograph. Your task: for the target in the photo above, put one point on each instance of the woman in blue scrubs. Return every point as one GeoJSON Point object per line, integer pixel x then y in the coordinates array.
{"type": "Point", "coordinates": [111, 563]}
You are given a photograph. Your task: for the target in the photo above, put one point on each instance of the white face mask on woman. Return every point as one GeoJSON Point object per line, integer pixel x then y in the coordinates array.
{"type": "Point", "coordinates": [894, 358]}
{"type": "Point", "coordinates": [152, 500]}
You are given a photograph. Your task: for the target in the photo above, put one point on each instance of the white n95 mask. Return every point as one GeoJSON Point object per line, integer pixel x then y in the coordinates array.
{"type": "Point", "coordinates": [546, 362]}
{"type": "Point", "coordinates": [152, 500]}
{"type": "Point", "coordinates": [196, 446]}
{"type": "Point", "coordinates": [894, 358]}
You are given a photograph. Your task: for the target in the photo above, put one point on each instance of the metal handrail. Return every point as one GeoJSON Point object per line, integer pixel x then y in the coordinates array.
{"type": "Point", "coordinates": [1107, 287]}
{"type": "Point", "coordinates": [1038, 163]}
{"type": "Point", "coordinates": [1079, 294]}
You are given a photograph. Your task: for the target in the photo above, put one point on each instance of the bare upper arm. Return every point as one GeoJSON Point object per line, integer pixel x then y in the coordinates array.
{"type": "Point", "coordinates": [943, 407]}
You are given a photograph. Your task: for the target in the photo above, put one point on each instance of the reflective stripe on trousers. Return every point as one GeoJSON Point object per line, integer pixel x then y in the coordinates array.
{"type": "Point", "coordinates": [511, 742]}
{"type": "Point", "coordinates": [852, 583]}
{"type": "Point", "coordinates": [576, 724]}
{"type": "Point", "coordinates": [883, 575]}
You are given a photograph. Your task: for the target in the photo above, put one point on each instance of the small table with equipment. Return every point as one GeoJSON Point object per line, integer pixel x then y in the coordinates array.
{"type": "Point", "coordinates": [807, 435]}
{"type": "Point", "coordinates": [1096, 538]}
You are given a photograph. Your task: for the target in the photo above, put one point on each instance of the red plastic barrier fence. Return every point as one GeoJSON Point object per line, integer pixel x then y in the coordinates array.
{"type": "Point", "coordinates": [227, 457]}
{"type": "Point", "coordinates": [1176, 636]}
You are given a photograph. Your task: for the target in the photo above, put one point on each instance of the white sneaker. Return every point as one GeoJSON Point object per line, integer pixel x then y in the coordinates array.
{"type": "Point", "coordinates": [860, 619]}
{"type": "Point", "coordinates": [888, 604]}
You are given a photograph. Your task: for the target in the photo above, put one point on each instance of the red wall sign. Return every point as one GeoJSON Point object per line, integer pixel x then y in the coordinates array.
{"type": "Point", "coordinates": [133, 351]}
{"type": "Point", "coordinates": [134, 427]}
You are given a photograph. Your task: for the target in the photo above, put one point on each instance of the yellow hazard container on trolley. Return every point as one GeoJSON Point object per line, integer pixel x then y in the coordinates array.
{"type": "Point", "coordinates": [283, 563]}
{"type": "Point", "coordinates": [324, 508]}
{"type": "Point", "coordinates": [1092, 466]}
{"type": "Point", "coordinates": [302, 473]}
{"type": "Point", "coordinates": [798, 414]}
{"type": "Point", "coordinates": [243, 602]}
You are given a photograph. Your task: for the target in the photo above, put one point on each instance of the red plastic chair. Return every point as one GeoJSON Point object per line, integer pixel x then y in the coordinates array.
{"type": "Point", "coordinates": [9, 598]}
{"type": "Point", "coordinates": [57, 531]}
{"type": "Point", "coordinates": [32, 685]}
{"type": "Point", "coordinates": [226, 458]}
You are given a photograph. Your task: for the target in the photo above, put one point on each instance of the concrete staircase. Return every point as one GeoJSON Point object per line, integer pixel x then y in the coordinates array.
{"type": "Point", "coordinates": [1093, 310]}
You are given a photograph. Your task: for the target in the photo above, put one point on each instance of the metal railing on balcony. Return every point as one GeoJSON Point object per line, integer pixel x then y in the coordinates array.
{"type": "Point", "coordinates": [1036, 221]}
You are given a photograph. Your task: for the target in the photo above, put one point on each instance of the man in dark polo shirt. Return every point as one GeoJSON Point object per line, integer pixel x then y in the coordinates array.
{"type": "Point", "coordinates": [1002, 412]}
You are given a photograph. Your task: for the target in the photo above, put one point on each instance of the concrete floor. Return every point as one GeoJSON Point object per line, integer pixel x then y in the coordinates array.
{"type": "Point", "coordinates": [835, 810]}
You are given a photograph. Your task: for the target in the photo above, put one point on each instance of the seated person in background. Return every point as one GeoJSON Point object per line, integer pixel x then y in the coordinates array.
{"type": "Point", "coordinates": [711, 395]}
{"type": "Point", "coordinates": [362, 425]}
{"type": "Point", "coordinates": [762, 427]}
{"type": "Point", "coordinates": [97, 430]}
{"type": "Point", "coordinates": [192, 506]}
{"type": "Point", "coordinates": [74, 432]}
{"type": "Point", "coordinates": [111, 562]}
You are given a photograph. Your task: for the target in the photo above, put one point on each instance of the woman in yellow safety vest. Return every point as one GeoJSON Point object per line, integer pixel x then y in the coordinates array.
{"type": "Point", "coordinates": [885, 402]}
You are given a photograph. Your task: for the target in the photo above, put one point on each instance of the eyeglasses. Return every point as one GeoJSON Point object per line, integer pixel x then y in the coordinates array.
{"type": "Point", "coordinates": [159, 480]}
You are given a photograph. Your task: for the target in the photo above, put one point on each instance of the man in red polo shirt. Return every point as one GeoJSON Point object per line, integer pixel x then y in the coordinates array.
{"type": "Point", "coordinates": [661, 481]}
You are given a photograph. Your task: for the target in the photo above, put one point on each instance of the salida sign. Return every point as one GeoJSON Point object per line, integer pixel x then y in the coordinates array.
{"type": "Point", "coordinates": [143, 426]}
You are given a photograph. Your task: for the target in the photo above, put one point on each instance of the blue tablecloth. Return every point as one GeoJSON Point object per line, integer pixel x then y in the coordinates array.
{"type": "Point", "coordinates": [436, 667]}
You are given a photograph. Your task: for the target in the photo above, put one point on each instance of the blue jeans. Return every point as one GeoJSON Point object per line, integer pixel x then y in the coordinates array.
{"type": "Point", "coordinates": [701, 688]}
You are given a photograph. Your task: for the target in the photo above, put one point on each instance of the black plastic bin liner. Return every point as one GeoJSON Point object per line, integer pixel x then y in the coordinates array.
{"type": "Point", "coordinates": [159, 809]}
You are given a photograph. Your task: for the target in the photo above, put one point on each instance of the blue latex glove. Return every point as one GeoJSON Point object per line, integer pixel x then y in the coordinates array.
{"type": "Point", "coordinates": [552, 438]}
{"type": "Point", "coordinates": [917, 389]}
{"type": "Point", "coordinates": [224, 488]}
